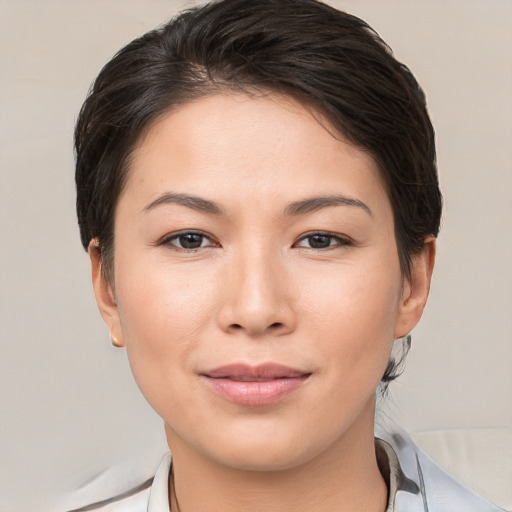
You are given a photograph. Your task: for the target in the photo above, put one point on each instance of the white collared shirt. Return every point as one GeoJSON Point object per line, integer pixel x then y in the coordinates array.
{"type": "Point", "coordinates": [415, 482]}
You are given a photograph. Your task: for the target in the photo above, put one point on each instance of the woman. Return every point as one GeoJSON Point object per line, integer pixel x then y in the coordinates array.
{"type": "Point", "coordinates": [257, 190]}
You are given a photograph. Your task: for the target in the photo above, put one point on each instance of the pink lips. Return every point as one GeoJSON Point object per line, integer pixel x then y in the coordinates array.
{"type": "Point", "coordinates": [264, 384]}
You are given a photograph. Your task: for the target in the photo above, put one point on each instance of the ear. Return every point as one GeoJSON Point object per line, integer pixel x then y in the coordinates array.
{"type": "Point", "coordinates": [415, 289]}
{"type": "Point", "coordinates": [105, 295]}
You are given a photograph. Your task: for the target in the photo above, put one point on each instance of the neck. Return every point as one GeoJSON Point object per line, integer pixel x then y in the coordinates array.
{"type": "Point", "coordinates": [344, 477]}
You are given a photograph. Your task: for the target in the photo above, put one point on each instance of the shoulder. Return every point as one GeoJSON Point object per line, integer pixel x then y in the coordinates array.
{"type": "Point", "coordinates": [420, 484]}
{"type": "Point", "coordinates": [151, 495]}
{"type": "Point", "coordinates": [135, 500]}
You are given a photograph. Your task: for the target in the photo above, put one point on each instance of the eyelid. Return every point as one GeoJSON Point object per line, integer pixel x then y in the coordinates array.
{"type": "Point", "coordinates": [342, 240]}
{"type": "Point", "coordinates": [169, 237]}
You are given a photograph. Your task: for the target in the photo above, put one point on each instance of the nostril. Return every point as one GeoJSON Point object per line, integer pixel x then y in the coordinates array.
{"type": "Point", "coordinates": [274, 326]}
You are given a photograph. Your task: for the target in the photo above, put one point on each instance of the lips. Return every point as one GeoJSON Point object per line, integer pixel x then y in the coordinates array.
{"type": "Point", "coordinates": [264, 384]}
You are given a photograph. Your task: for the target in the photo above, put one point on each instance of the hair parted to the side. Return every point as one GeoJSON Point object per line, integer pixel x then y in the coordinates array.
{"type": "Point", "coordinates": [329, 60]}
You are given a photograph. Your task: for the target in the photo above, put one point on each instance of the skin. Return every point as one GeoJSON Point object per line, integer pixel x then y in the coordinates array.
{"type": "Point", "coordinates": [259, 290]}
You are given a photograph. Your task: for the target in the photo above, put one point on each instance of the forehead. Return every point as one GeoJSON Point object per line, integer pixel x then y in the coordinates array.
{"type": "Point", "coordinates": [231, 145]}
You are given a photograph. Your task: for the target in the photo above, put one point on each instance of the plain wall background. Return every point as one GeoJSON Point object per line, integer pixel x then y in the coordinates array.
{"type": "Point", "coordinates": [68, 406]}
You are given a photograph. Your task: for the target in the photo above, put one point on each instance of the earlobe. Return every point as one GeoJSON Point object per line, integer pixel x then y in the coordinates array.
{"type": "Point", "coordinates": [104, 293]}
{"type": "Point", "coordinates": [416, 289]}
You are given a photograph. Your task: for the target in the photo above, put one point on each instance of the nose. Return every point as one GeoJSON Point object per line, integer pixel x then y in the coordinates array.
{"type": "Point", "coordinates": [257, 297]}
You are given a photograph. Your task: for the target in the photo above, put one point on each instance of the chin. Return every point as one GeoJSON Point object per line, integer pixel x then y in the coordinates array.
{"type": "Point", "coordinates": [265, 444]}
{"type": "Point", "coordinates": [260, 454]}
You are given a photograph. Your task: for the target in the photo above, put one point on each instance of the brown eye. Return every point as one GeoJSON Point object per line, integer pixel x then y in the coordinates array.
{"type": "Point", "coordinates": [188, 241]}
{"type": "Point", "coordinates": [320, 241]}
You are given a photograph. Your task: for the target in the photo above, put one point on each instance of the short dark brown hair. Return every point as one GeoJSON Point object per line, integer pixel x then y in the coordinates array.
{"type": "Point", "coordinates": [329, 60]}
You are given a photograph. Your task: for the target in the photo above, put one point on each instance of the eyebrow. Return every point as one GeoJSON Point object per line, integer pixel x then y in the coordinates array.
{"type": "Point", "coordinates": [193, 202]}
{"type": "Point", "coordinates": [302, 207]}
{"type": "Point", "coordinates": [317, 203]}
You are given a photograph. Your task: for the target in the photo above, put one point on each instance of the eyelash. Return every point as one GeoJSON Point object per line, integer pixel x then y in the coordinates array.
{"type": "Point", "coordinates": [176, 236]}
{"type": "Point", "coordinates": [339, 241]}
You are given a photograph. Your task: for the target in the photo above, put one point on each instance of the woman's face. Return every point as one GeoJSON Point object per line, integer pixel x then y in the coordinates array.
{"type": "Point", "coordinates": [257, 283]}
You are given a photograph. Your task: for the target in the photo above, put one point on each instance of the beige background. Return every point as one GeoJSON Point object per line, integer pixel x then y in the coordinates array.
{"type": "Point", "coordinates": [68, 407]}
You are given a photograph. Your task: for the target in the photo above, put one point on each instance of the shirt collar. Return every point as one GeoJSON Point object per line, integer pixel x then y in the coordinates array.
{"type": "Point", "coordinates": [159, 495]}
{"type": "Point", "coordinates": [397, 462]}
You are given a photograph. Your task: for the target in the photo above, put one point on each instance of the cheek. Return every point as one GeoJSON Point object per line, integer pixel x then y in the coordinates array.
{"type": "Point", "coordinates": [163, 314]}
{"type": "Point", "coordinates": [353, 314]}
{"type": "Point", "coordinates": [352, 322]}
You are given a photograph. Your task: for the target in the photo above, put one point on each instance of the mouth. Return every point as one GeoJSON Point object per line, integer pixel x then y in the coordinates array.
{"type": "Point", "coordinates": [247, 385]}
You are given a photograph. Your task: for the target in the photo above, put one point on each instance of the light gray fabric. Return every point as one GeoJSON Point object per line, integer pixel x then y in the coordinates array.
{"type": "Point", "coordinates": [421, 485]}
{"type": "Point", "coordinates": [456, 450]}
{"type": "Point", "coordinates": [416, 483]}
{"type": "Point", "coordinates": [159, 496]}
